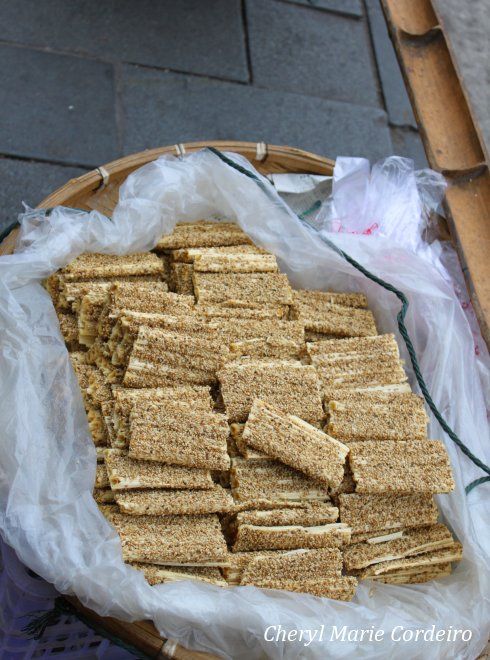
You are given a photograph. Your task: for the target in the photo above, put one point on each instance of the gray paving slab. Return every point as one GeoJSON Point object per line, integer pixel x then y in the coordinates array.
{"type": "Point", "coordinates": [56, 107]}
{"type": "Point", "coordinates": [29, 182]}
{"type": "Point", "coordinates": [199, 36]}
{"type": "Point", "coordinates": [349, 7]}
{"type": "Point", "coordinates": [165, 108]}
{"type": "Point", "coordinates": [467, 28]}
{"type": "Point", "coordinates": [407, 142]}
{"type": "Point", "coordinates": [300, 49]}
{"type": "Point", "coordinates": [394, 90]}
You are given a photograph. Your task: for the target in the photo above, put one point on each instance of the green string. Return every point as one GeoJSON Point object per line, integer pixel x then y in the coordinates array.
{"type": "Point", "coordinates": [400, 317]}
{"type": "Point", "coordinates": [44, 619]}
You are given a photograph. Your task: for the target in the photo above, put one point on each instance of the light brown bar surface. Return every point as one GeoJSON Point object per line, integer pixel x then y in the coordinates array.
{"type": "Point", "coordinates": [126, 473]}
{"type": "Point", "coordinates": [428, 560]}
{"type": "Point", "coordinates": [174, 502]}
{"type": "Point", "coordinates": [179, 435]}
{"type": "Point", "coordinates": [155, 574]}
{"type": "Point", "coordinates": [401, 467]}
{"type": "Point", "coordinates": [235, 263]}
{"type": "Point", "coordinates": [367, 513]}
{"type": "Point", "coordinates": [309, 515]}
{"type": "Point", "coordinates": [258, 288]}
{"type": "Point", "coordinates": [292, 387]}
{"type": "Point", "coordinates": [290, 537]}
{"type": "Point", "coordinates": [203, 234]}
{"type": "Point", "coordinates": [258, 483]}
{"type": "Point", "coordinates": [93, 265]}
{"type": "Point", "coordinates": [413, 542]}
{"type": "Point", "coordinates": [161, 358]}
{"type": "Point", "coordinates": [296, 443]}
{"type": "Point", "coordinates": [169, 539]}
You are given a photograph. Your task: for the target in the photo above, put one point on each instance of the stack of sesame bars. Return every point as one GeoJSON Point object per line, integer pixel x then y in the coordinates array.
{"type": "Point", "coordinates": [248, 433]}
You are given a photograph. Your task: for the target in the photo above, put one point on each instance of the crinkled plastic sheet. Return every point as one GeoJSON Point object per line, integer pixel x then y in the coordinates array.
{"type": "Point", "coordinates": [47, 459]}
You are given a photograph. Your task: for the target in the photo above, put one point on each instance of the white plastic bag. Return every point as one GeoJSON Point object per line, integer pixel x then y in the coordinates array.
{"type": "Point", "coordinates": [47, 459]}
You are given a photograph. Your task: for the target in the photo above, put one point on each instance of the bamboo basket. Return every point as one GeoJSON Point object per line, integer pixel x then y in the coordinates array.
{"type": "Point", "coordinates": [99, 190]}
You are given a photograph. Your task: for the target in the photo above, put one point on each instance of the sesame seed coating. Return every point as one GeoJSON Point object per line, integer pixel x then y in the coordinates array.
{"type": "Point", "coordinates": [401, 467]}
{"type": "Point", "coordinates": [295, 443]}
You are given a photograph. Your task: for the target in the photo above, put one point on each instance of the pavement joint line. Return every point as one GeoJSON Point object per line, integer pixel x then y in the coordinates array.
{"type": "Point", "coordinates": [45, 161]}
{"type": "Point", "coordinates": [246, 40]}
{"type": "Point", "coordinates": [119, 116]}
{"type": "Point", "coordinates": [336, 12]}
{"type": "Point", "coordinates": [167, 69]}
{"type": "Point", "coordinates": [372, 55]}
{"type": "Point", "coordinates": [113, 63]}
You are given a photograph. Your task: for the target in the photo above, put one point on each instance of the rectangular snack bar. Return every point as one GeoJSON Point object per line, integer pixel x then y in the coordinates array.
{"type": "Point", "coordinates": [152, 297]}
{"type": "Point", "coordinates": [128, 323]}
{"type": "Point", "coordinates": [174, 502]}
{"type": "Point", "coordinates": [126, 473]}
{"type": "Point", "coordinates": [312, 304]}
{"type": "Point", "coordinates": [361, 373]}
{"type": "Point", "coordinates": [412, 542]}
{"type": "Point", "coordinates": [290, 537]}
{"type": "Point", "coordinates": [226, 311]}
{"type": "Point", "coordinates": [309, 515]}
{"type": "Point", "coordinates": [292, 387]}
{"type": "Point", "coordinates": [241, 329]}
{"type": "Point", "coordinates": [293, 571]}
{"type": "Point", "coordinates": [368, 513]}
{"type": "Point", "coordinates": [413, 564]}
{"type": "Point", "coordinates": [169, 540]}
{"type": "Point", "coordinates": [401, 467]}
{"type": "Point", "coordinates": [290, 565]}
{"type": "Point", "coordinates": [202, 234]}
{"type": "Point", "coordinates": [188, 255]}
{"type": "Point", "coordinates": [349, 425]}
{"type": "Point", "coordinates": [160, 358]}
{"type": "Point", "coordinates": [196, 396]}
{"type": "Point", "coordinates": [179, 435]}
{"type": "Point", "coordinates": [71, 294]}
{"type": "Point", "coordinates": [92, 266]}
{"type": "Point", "coordinates": [377, 401]}
{"type": "Point", "coordinates": [337, 320]}
{"type": "Point", "coordinates": [270, 484]}
{"type": "Point", "coordinates": [155, 574]}
{"type": "Point", "coordinates": [270, 348]}
{"type": "Point", "coordinates": [259, 288]}
{"type": "Point", "coordinates": [238, 561]}
{"type": "Point", "coordinates": [420, 577]}
{"type": "Point", "coordinates": [296, 443]}
{"type": "Point", "coordinates": [384, 344]}
{"type": "Point", "coordinates": [235, 263]}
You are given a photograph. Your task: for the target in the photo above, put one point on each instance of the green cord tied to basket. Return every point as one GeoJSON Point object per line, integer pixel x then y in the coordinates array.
{"type": "Point", "coordinates": [400, 317]}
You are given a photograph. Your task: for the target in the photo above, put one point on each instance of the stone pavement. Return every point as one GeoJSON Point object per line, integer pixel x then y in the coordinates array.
{"type": "Point", "coordinates": [83, 83]}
